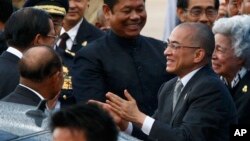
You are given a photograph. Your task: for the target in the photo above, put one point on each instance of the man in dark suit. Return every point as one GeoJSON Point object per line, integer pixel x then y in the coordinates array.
{"type": "Point", "coordinates": [122, 59]}
{"type": "Point", "coordinates": [193, 106]}
{"type": "Point", "coordinates": [41, 78]}
{"type": "Point", "coordinates": [22, 34]}
{"type": "Point", "coordinates": [75, 34]}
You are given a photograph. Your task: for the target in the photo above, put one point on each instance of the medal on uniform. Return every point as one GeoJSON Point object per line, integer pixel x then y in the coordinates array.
{"type": "Point", "coordinates": [244, 89]}
{"type": "Point", "coordinates": [84, 43]}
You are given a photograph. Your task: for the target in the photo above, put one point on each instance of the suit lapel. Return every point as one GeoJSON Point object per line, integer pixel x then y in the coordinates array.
{"type": "Point", "coordinates": [185, 93]}
{"type": "Point", "coordinates": [81, 36]}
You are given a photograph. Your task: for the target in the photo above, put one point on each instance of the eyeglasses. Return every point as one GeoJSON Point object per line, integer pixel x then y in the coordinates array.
{"type": "Point", "coordinates": [197, 12]}
{"type": "Point", "coordinates": [176, 46]}
{"type": "Point", "coordinates": [52, 36]}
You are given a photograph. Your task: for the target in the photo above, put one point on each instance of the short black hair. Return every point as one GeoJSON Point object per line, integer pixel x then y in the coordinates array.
{"type": "Point", "coordinates": [94, 122]}
{"type": "Point", "coordinates": [112, 3]}
{"type": "Point", "coordinates": [183, 4]}
{"type": "Point", "coordinates": [202, 34]}
{"type": "Point", "coordinates": [42, 67]}
{"type": "Point", "coordinates": [6, 10]}
{"type": "Point", "coordinates": [23, 26]}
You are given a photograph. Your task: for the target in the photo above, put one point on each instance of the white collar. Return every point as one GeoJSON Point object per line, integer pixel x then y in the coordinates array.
{"type": "Point", "coordinates": [73, 31]}
{"type": "Point", "coordinates": [40, 96]}
{"type": "Point", "coordinates": [187, 77]}
{"type": "Point", "coordinates": [14, 51]}
{"type": "Point", "coordinates": [239, 75]}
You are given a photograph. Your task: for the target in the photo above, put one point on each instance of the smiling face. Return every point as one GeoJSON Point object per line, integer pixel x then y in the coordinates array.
{"type": "Point", "coordinates": [127, 18]}
{"type": "Point", "coordinates": [76, 11]}
{"type": "Point", "coordinates": [224, 61]}
{"type": "Point", "coordinates": [181, 60]}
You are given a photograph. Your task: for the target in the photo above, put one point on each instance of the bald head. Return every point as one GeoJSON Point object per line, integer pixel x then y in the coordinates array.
{"type": "Point", "coordinates": [39, 63]}
{"type": "Point", "coordinates": [201, 35]}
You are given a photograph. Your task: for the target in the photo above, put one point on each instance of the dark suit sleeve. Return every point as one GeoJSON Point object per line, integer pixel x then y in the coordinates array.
{"type": "Point", "coordinates": [88, 81]}
{"type": "Point", "coordinates": [204, 117]}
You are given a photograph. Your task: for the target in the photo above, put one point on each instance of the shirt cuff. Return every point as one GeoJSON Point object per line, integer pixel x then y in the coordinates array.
{"type": "Point", "coordinates": [147, 125]}
{"type": "Point", "coordinates": [129, 129]}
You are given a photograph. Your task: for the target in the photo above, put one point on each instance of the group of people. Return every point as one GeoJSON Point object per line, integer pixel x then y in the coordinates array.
{"type": "Point", "coordinates": [192, 87]}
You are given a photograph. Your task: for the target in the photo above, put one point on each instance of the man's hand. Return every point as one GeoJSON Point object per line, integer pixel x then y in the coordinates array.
{"type": "Point", "coordinates": [122, 124]}
{"type": "Point", "coordinates": [126, 109]}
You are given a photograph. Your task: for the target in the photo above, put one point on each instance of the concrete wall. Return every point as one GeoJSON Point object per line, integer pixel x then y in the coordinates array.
{"type": "Point", "coordinates": [156, 10]}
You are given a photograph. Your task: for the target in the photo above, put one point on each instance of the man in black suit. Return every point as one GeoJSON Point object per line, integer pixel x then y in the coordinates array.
{"type": "Point", "coordinates": [200, 109]}
{"type": "Point", "coordinates": [75, 34]}
{"type": "Point", "coordinates": [22, 34]}
{"type": "Point", "coordinates": [41, 77]}
{"type": "Point", "coordinates": [122, 59]}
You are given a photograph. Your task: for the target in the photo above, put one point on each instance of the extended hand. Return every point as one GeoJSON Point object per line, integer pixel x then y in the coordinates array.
{"type": "Point", "coordinates": [122, 124]}
{"type": "Point", "coordinates": [127, 109]}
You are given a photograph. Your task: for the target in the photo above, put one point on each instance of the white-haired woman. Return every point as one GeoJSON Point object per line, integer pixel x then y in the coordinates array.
{"type": "Point", "coordinates": [231, 60]}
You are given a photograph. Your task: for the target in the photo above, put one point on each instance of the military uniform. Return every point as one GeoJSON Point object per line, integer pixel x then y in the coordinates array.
{"type": "Point", "coordinates": [113, 63]}
{"type": "Point", "coordinates": [53, 7]}
{"type": "Point", "coordinates": [241, 97]}
{"type": "Point", "coordinates": [86, 33]}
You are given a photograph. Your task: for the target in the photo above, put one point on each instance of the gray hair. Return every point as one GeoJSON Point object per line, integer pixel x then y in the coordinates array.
{"type": "Point", "coordinates": [238, 29]}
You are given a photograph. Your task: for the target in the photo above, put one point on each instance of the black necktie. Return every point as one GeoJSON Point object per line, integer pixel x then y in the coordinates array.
{"type": "Point", "coordinates": [177, 91]}
{"type": "Point", "coordinates": [64, 37]}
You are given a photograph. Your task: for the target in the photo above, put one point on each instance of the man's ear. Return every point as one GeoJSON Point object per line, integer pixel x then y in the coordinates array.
{"type": "Point", "coordinates": [182, 15]}
{"type": "Point", "coordinates": [37, 39]}
{"type": "Point", "coordinates": [106, 11]}
{"type": "Point", "coordinates": [199, 55]}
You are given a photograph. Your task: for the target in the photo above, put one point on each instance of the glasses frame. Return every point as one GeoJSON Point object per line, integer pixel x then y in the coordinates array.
{"type": "Point", "coordinates": [52, 36]}
{"type": "Point", "coordinates": [210, 16]}
{"type": "Point", "coordinates": [176, 47]}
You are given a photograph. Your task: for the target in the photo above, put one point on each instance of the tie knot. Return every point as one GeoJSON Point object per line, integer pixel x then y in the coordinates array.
{"type": "Point", "coordinates": [177, 91]}
{"type": "Point", "coordinates": [64, 36]}
{"type": "Point", "coordinates": [178, 86]}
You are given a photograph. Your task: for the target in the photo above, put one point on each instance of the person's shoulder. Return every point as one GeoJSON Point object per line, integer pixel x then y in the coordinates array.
{"type": "Point", "coordinates": [94, 30]}
{"type": "Point", "coordinates": [94, 46]}
{"type": "Point", "coordinates": [153, 41]}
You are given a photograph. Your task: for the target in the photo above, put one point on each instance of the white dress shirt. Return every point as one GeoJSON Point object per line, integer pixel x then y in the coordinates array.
{"type": "Point", "coordinates": [72, 35]}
